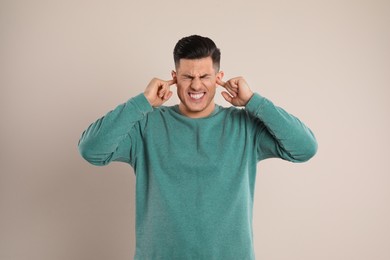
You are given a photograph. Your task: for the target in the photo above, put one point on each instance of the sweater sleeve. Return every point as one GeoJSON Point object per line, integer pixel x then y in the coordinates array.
{"type": "Point", "coordinates": [109, 138]}
{"type": "Point", "coordinates": [280, 134]}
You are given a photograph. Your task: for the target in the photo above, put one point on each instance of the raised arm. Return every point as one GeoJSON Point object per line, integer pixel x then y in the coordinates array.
{"type": "Point", "coordinates": [279, 134]}
{"type": "Point", "coordinates": [109, 138]}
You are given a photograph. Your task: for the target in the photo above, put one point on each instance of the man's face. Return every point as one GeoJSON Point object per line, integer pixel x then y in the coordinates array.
{"type": "Point", "coordinates": [196, 84]}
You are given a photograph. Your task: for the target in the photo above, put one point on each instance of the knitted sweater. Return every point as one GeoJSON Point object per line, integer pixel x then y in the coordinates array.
{"type": "Point", "coordinates": [195, 178]}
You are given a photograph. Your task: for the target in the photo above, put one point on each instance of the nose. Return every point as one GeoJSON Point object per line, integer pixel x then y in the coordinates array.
{"type": "Point", "coordinates": [196, 84]}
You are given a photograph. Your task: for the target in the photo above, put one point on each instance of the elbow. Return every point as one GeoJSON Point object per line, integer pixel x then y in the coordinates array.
{"type": "Point", "coordinates": [309, 149]}
{"type": "Point", "coordinates": [89, 154]}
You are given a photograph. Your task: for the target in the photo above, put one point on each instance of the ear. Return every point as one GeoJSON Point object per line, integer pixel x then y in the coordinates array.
{"type": "Point", "coordinates": [173, 73]}
{"type": "Point", "coordinates": [220, 75]}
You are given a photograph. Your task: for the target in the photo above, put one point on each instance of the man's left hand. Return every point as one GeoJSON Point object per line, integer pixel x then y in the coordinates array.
{"type": "Point", "coordinates": [238, 92]}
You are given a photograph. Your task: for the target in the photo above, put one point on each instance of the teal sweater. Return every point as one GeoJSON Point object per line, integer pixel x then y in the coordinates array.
{"type": "Point", "coordinates": [195, 178]}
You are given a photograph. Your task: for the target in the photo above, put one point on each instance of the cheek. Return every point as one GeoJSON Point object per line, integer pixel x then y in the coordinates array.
{"type": "Point", "coordinates": [180, 88]}
{"type": "Point", "coordinates": [183, 84]}
{"type": "Point", "coordinates": [210, 84]}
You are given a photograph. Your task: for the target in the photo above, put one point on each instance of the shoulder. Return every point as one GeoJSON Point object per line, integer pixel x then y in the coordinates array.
{"type": "Point", "coordinates": [163, 110]}
{"type": "Point", "coordinates": [160, 113]}
{"type": "Point", "coordinates": [235, 112]}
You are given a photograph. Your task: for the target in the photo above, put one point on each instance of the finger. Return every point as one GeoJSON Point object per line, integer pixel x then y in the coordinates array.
{"type": "Point", "coordinates": [231, 90]}
{"type": "Point", "coordinates": [168, 95]}
{"type": "Point", "coordinates": [220, 82]}
{"type": "Point", "coordinates": [171, 82]}
{"type": "Point", "coordinates": [228, 87]}
{"type": "Point", "coordinates": [165, 88]}
{"type": "Point", "coordinates": [233, 84]}
{"type": "Point", "coordinates": [227, 97]}
{"type": "Point", "coordinates": [161, 92]}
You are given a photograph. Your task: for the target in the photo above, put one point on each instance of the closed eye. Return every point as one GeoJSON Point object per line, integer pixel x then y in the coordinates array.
{"type": "Point", "coordinates": [188, 77]}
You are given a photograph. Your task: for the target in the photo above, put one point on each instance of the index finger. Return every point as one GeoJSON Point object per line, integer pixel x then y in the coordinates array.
{"type": "Point", "coordinates": [171, 82]}
{"type": "Point", "coordinates": [220, 82]}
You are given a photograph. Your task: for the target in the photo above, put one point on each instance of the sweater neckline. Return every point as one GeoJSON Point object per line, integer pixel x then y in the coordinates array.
{"type": "Point", "coordinates": [176, 109]}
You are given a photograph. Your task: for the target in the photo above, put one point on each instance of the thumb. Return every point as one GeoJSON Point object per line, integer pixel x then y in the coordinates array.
{"type": "Point", "coordinates": [227, 97]}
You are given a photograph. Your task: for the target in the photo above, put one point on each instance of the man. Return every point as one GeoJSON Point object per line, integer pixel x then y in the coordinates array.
{"type": "Point", "coordinates": [195, 162]}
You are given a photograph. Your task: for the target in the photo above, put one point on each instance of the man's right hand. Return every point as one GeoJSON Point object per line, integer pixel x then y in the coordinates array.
{"type": "Point", "coordinates": [158, 91]}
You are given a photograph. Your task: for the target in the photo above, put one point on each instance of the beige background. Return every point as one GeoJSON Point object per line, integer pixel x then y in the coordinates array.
{"type": "Point", "coordinates": [66, 63]}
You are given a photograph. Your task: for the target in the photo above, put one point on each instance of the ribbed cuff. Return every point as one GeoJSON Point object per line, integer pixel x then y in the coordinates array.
{"type": "Point", "coordinates": [142, 103]}
{"type": "Point", "coordinates": [255, 103]}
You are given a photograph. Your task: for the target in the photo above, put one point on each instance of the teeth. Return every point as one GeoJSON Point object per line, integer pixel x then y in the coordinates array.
{"type": "Point", "coordinates": [196, 95]}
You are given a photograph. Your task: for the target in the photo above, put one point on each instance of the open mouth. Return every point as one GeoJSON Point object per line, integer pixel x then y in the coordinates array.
{"type": "Point", "coordinates": [196, 96]}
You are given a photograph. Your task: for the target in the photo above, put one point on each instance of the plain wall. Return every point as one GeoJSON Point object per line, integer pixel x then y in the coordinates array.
{"type": "Point", "coordinates": [63, 64]}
